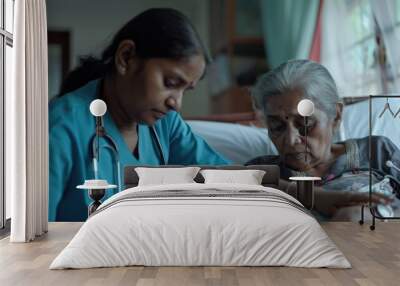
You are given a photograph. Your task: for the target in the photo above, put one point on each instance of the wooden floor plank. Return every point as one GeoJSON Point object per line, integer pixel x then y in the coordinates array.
{"type": "Point", "coordinates": [374, 255]}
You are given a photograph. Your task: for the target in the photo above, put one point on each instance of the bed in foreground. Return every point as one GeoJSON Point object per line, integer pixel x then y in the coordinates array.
{"type": "Point", "coordinates": [201, 224]}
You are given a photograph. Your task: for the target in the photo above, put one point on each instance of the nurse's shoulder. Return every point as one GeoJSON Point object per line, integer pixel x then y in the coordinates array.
{"type": "Point", "coordinates": [73, 105]}
{"type": "Point", "coordinates": [169, 123]}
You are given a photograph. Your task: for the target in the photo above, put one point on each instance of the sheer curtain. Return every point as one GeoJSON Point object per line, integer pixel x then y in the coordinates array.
{"type": "Point", "coordinates": [345, 46]}
{"type": "Point", "coordinates": [387, 15]}
{"type": "Point", "coordinates": [349, 47]}
{"type": "Point", "coordinates": [288, 28]}
{"type": "Point", "coordinates": [26, 124]}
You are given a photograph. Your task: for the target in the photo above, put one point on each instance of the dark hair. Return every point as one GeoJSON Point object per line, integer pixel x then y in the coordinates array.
{"type": "Point", "coordinates": [157, 33]}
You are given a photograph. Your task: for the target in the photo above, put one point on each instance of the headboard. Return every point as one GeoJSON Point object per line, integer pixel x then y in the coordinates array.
{"type": "Point", "coordinates": [270, 179]}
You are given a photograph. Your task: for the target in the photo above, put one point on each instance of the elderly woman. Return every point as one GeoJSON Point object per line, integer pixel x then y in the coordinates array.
{"type": "Point", "coordinates": [343, 166]}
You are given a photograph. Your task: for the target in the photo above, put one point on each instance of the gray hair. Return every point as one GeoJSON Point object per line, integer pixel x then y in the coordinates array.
{"type": "Point", "coordinates": [312, 79]}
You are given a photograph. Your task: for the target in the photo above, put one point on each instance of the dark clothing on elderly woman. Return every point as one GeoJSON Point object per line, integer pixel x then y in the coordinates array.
{"type": "Point", "coordinates": [350, 171]}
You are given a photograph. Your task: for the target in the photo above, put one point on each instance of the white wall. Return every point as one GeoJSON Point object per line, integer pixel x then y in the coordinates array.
{"type": "Point", "coordinates": [92, 24]}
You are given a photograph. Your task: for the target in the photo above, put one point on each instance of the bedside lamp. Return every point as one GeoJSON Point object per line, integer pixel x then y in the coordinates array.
{"type": "Point", "coordinates": [96, 186]}
{"type": "Point", "coordinates": [305, 184]}
{"type": "Point", "coordinates": [97, 108]}
{"type": "Point", "coordinates": [305, 108]}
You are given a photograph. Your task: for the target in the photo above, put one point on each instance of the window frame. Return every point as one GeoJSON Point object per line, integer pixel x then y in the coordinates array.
{"type": "Point", "coordinates": [6, 39]}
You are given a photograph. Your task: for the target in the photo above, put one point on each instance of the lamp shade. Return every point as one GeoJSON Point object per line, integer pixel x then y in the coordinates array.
{"type": "Point", "coordinates": [305, 107]}
{"type": "Point", "coordinates": [98, 107]}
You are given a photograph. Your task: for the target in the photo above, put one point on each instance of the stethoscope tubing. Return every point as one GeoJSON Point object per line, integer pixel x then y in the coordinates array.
{"type": "Point", "coordinates": [95, 143]}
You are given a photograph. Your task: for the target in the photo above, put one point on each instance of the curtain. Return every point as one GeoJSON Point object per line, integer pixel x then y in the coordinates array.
{"type": "Point", "coordinates": [387, 15]}
{"type": "Point", "coordinates": [26, 124]}
{"type": "Point", "coordinates": [337, 46]}
{"type": "Point", "coordinates": [349, 47]}
{"type": "Point", "coordinates": [288, 28]}
{"type": "Point", "coordinates": [315, 52]}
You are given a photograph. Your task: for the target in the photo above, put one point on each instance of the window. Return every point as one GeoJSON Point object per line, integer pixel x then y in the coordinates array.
{"type": "Point", "coordinates": [6, 65]}
{"type": "Point", "coordinates": [363, 48]}
{"type": "Point", "coordinates": [360, 50]}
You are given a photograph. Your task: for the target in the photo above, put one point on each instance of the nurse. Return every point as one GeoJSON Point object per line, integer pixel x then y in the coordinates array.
{"type": "Point", "coordinates": [142, 76]}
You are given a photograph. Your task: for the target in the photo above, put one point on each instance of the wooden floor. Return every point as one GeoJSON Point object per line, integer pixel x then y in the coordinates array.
{"type": "Point", "coordinates": [374, 255]}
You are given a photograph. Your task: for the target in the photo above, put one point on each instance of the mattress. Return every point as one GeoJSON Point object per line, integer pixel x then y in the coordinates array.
{"type": "Point", "coordinates": [201, 225]}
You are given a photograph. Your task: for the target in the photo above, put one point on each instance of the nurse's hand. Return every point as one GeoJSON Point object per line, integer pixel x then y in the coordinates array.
{"type": "Point", "coordinates": [328, 202]}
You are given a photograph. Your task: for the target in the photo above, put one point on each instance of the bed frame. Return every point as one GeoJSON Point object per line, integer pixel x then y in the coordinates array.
{"type": "Point", "coordinates": [270, 179]}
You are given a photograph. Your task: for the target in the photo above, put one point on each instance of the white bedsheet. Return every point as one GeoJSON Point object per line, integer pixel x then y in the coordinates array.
{"type": "Point", "coordinates": [200, 231]}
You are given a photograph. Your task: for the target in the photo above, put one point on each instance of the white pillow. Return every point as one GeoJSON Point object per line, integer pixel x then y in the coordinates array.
{"type": "Point", "coordinates": [162, 176]}
{"type": "Point", "coordinates": [248, 177]}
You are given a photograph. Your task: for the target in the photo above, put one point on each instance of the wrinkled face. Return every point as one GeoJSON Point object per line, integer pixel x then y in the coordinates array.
{"type": "Point", "coordinates": [158, 86]}
{"type": "Point", "coordinates": [286, 129]}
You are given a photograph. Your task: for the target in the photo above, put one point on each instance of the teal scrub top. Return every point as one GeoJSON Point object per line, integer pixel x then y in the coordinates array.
{"type": "Point", "coordinates": [71, 128]}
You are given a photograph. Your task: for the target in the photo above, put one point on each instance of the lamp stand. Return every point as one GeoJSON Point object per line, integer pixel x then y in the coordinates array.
{"type": "Point", "coordinates": [96, 195]}
{"type": "Point", "coordinates": [305, 134]}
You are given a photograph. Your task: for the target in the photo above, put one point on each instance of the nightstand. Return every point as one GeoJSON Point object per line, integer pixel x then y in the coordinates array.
{"type": "Point", "coordinates": [97, 190]}
{"type": "Point", "coordinates": [305, 190]}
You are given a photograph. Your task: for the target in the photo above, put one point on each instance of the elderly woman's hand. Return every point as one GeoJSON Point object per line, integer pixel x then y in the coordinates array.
{"type": "Point", "coordinates": [328, 202]}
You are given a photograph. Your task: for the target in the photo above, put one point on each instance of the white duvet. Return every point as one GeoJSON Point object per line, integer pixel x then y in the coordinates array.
{"type": "Point", "coordinates": [185, 230]}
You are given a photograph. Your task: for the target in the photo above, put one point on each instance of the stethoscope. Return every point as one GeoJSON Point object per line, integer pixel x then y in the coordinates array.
{"type": "Point", "coordinates": [98, 108]}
